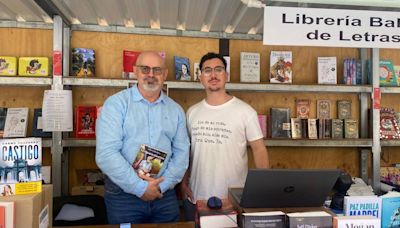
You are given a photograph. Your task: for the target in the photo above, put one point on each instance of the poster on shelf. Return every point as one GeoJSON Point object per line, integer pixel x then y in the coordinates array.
{"type": "Point", "coordinates": [57, 110]}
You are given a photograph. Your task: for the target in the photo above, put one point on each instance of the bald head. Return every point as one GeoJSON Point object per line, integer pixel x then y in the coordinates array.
{"type": "Point", "coordinates": [150, 56]}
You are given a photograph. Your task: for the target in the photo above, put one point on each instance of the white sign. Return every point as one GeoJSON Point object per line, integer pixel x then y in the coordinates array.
{"type": "Point", "coordinates": [57, 110]}
{"type": "Point", "coordinates": [331, 27]}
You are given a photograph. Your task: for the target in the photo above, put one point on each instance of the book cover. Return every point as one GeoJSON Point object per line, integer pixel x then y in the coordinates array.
{"type": "Point", "coordinates": [344, 109]}
{"type": "Point", "coordinates": [280, 123]}
{"type": "Point", "coordinates": [8, 214]}
{"type": "Point", "coordinates": [85, 122]}
{"type": "Point", "coordinates": [296, 128]}
{"type": "Point", "coordinates": [83, 62]}
{"type": "Point", "coordinates": [228, 67]}
{"type": "Point", "coordinates": [323, 109]}
{"type": "Point", "coordinates": [389, 128]}
{"type": "Point", "coordinates": [312, 129]}
{"type": "Point", "coordinates": [324, 128]}
{"type": "Point", "coordinates": [397, 73]}
{"type": "Point", "coordinates": [196, 72]}
{"type": "Point", "coordinates": [8, 65]}
{"type": "Point", "coordinates": [303, 108]}
{"type": "Point", "coordinates": [320, 219]}
{"type": "Point", "coordinates": [226, 216]}
{"type": "Point", "coordinates": [362, 205]}
{"type": "Point", "coordinates": [182, 68]}
{"type": "Point", "coordinates": [16, 122]}
{"type": "Point", "coordinates": [387, 76]}
{"type": "Point", "coordinates": [128, 61]}
{"type": "Point", "coordinates": [350, 129]}
{"type": "Point", "coordinates": [33, 66]}
{"type": "Point", "coordinates": [390, 210]}
{"type": "Point", "coordinates": [356, 221]}
{"type": "Point", "coordinates": [249, 67]}
{"type": "Point", "coordinates": [304, 128]}
{"type": "Point", "coordinates": [149, 161]}
{"type": "Point", "coordinates": [262, 120]}
{"type": "Point", "coordinates": [281, 67]}
{"type": "Point", "coordinates": [3, 115]}
{"type": "Point", "coordinates": [37, 126]}
{"type": "Point", "coordinates": [20, 166]}
{"type": "Point", "coordinates": [276, 219]}
{"type": "Point", "coordinates": [327, 70]}
{"type": "Point", "coordinates": [337, 128]}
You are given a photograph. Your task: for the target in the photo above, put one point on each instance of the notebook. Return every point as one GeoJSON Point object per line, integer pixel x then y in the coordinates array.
{"type": "Point", "coordinates": [277, 188]}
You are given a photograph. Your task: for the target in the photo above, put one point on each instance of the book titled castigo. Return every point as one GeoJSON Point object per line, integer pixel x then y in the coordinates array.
{"type": "Point", "coordinates": [20, 166]}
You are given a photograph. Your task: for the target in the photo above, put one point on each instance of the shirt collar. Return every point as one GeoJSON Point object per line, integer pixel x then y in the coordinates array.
{"type": "Point", "coordinates": [137, 96]}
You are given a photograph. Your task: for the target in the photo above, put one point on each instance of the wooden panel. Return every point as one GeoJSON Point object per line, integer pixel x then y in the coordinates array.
{"type": "Point", "coordinates": [80, 158]}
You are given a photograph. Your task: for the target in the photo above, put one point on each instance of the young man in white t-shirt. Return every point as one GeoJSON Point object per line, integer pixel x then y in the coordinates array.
{"type": "Point", "coordinates": [220, 127]}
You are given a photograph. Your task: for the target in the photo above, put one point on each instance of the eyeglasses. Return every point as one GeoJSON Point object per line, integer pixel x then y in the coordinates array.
{"type": "Point", "coordinates": [146, 70]}
{"type": "Point", "coordinates": [217, 70]}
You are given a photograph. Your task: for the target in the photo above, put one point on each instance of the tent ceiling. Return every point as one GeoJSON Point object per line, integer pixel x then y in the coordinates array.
{"type": "Point", "coordinates": [229, 16]}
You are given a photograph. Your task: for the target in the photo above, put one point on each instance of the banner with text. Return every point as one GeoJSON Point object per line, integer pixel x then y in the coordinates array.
{"type": "Point", "coordinates": [331, 27]}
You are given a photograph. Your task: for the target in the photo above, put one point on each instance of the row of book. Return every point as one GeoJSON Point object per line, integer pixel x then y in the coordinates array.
{"type": "Point", "coordinates": [14, 122]}
{"type": "Point", "coordinates": [27, 66]}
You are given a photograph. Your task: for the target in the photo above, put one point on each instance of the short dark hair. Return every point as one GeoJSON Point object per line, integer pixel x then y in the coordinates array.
{"type": "Point", "coordinates": [212, 55]}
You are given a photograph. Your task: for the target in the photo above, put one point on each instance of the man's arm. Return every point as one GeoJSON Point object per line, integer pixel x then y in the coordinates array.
{"type": "Point", "coordinates": [260, 153]}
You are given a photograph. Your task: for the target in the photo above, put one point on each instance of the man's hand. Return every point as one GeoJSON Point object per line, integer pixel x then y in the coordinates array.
{"type": "Point", "coordinates": [186, 192]}
{"type": "Point", "coordinates": [153, 189]}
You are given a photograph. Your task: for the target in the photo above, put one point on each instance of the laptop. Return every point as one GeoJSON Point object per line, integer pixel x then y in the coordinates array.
{"type": "Point", "coordinates": [278, 188]}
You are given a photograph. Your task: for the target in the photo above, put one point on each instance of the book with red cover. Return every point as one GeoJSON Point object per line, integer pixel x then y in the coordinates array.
{"type": "Point", "coordinates": [7, 217]}
{"type": "Point", "coordinates": [303, 108]}
{"type": "Point", "coordinates": [85, 121]}
{"type": "Point", "coordinates": [389, 128]}
{"type": "Point", "coordinates": [129, 60]}
{"type": "Point", "coordinates": [2, 217]}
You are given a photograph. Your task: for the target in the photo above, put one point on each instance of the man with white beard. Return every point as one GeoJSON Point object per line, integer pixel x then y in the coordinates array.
{"type": "Point", "coordinates": [142, 115]}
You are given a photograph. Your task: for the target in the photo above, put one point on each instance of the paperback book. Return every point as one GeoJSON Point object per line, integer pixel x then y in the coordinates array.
{"type": "Point", "coordinates": [323, 109]}
{"type": "Point", "coordinates": [7, 214]}
{"type": "Point", "coordinates": [327, 73]}
{"type": "Point", "coordinates": [20, 166]}
{"type": "Point", "coordinates": [149, 161]}
{"type": "Point", "coordinates": [85, 121]}
{"type": "Point", "coordinates": [280, 123]}
{"type": "Point", "coordinates": [83, 62]}
{"type": "Point", "coordinates": [356, 221]}
{"type": "Point", "coordinates": [249, 67]}
{"type": "Point", "coordinates": [320, 219]}
{"type": "Point", "coordinates": [281, 67]}
{"type": "Point", "coordinates": [387, 76]}
{"type": "Point", "coordinates": [303, 108]}
{"type": "Point", "coordinates": [350, 129]}
{"type": "Point", "coordinates": [33, 66]}
{"type": "Point", "coordinates": [8, 65]}
{"type": "Point", "coordinates": [129, 60]}
{"type": "Point", "coordinates": [196, 71]}
{"type": "Point", "coordinates": [182, 68]}
{"type": "Point", "coordinates": [362, 205]}
{"type": "Point", "coordinates": [389, 128]}
{"type": "Point", "coordinates": [390, 209]}
{"type": "Point", "coordinates": [16, 122]}
{"type": "Point", "coordinates": [344, 109]}
{"type": "Point", "coordinates": [276, 219]}
{"type": "Point", "coordinates": [3, 115]}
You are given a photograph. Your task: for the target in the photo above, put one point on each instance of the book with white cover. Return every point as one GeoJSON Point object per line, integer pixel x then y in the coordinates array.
{"type": "Point", "coordinates": [327, 70]}
{"type": "Point", "coordinates": [356, 221]}
{"type": "Point", "coordinates": [362, 205]}
{"type": "Point", "coordinates": [249, 67]}
{"type": "Point", "coordinates": [16, 122]}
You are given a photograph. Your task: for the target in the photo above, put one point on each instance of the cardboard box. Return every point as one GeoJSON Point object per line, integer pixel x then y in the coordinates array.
{"type": "Point", "coordinates": [88, 190]}
{"type": "Point", "coordinates": [29, 207]}
{"type": "Point", "coordinates": [8, 65]}
{"type": "Point", "coordinates": [33, 66]}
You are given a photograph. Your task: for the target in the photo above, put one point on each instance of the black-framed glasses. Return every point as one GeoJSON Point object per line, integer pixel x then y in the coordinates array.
{"type": "Point", "coordinates": [207, 71]}
{"type": "Point", "coordinates": [146, 70]}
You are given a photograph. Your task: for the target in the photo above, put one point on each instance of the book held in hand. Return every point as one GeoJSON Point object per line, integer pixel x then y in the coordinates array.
{"type": "Point", "coordinates": [280, 67]}
{"type": "Point", "coordinates": [149, 161]}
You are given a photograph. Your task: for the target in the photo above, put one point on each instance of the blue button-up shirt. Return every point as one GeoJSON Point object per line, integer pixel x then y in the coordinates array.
{"type": "Point", "coordinates": [128, 120]}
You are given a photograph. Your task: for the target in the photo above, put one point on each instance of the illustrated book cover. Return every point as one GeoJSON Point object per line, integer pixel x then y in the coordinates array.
{"type": "Point", "coordinates": [182, 68]}
{"type": "Point", "coordinates": [327, 72]}
{"type": "Point", "coordinates": [390, 209]}
{"type": "Point", "coordinates": [312, 129]}
{"type": "Point", "coordinates": [16, 122]}
{"type": "Point", "coordinates": [389, 128]}
{"type": "Point", "coordinates": [149, 161]}
{"type": "Point", "coordinates": [196, 72]}
{"type": "Point", "coordinates": [303, 108]}
{"type": "Point", "coordinates": [33, 66]}
{"type": "Point", "coordinates": [37, 125]}
{"type": "Point", "coordinates": [83, 62]}
{"type": "Point", "coordinates": [128, 61]}
{"type": "Point", "coordinates": [387, 76]}
{"type": "Point", "coordinates": [85, 121]}
{"type": "Point", "coordinates": [20, 166]}
{"type": "Point", "coordinates": [280, 67]}
{"type": "Point", "coordinates": [3, 115]}
{"type": "Point", "coordinates": [296, 128]}
{"type": "Point", "coordinates": [280, 123]}
{"type": "Point", "coordinates": [344, 109]}
{"type": "Point", "coordinates": [8, 65]}
{"type": "Point", "coordinates": [323, 109]}
{"type": "Point", "coordinates": [249, 67]}
{"type": "Point", "coordinates": [337, 128]}
{"type": "Point", "coordinates": [350, 129]}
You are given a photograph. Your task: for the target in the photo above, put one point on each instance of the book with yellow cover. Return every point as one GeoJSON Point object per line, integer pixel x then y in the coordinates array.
{"type": "Point", "coordinates": [33, 66]}
{"type": "Point", "coordinates": [8, 65]}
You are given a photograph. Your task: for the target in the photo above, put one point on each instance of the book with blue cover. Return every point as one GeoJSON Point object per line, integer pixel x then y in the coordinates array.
{"type": "Point", "coordinates": [182, 68]}
{"type": "Point", "coordinates": [390, 210]}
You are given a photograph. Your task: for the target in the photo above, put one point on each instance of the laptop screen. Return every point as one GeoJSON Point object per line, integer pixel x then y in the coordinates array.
{"type": "Point", "coordinates": [277, 188]}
